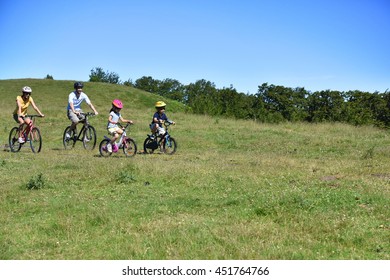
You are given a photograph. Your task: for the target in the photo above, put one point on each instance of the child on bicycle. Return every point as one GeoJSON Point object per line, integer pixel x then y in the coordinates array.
{"type": "Point", "coordinates": [75, 99]}
{"type": "Point", "coordinates": [112, 125]}
{"type": "Point", "coordinates": [159, 118]}
{"type": "Point", "coordinates": [22, 103]}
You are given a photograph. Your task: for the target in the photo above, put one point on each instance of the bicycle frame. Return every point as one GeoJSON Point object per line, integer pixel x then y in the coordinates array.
{"type": "Point", "coordinates": [85, 126]}
{"type": "Point", "coordinates": [87, 134]}
{"type": "Point", "coordinates": [28, 128]}
{"type": "Point", "coordinates": [29, 132]}
{"type": "Point", "coordinates": [165, 136]}
{"type": "Point", "coordinates": [166, 143]}
{"type": "Point", "coordinates": [127, 144]}
{"type": "Point", "coordinates": [122, 139]}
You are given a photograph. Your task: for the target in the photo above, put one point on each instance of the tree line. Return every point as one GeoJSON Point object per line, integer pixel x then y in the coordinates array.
{"type": "Point", "coordinates": [271, 103]}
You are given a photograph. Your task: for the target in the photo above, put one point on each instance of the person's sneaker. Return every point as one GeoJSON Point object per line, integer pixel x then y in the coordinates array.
{"type": "Point", "coordinates": [115, 148]}
{"type": "Point", "coordinates": [151, 136]}
{"type": "Point", "coordinates": [67, 136]}
{"type": "Point", "coordinates": [109, 147]}
{"type": "Point", "coordinates": [21, 140]}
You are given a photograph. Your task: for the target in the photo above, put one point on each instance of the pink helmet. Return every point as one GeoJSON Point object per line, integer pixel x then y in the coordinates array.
{"type": "Point", "coordinates": [117, 103]}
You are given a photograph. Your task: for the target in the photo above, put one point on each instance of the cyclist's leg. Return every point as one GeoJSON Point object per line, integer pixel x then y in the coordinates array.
{"type": "Point", "coordinates": [29, 124]}
{"type": "Point", "coordinates": [74, 119]}
{"type": "Point", "coordinates": [114, 132]}
{"type": "Point", "coordinates": [161, 131]}
{"type": "Point", "coordinates": [118, 133]}
{"type": "Point", "coordinates": [21, 121]}
{"type": "Point", "coordinates": [153, 128]}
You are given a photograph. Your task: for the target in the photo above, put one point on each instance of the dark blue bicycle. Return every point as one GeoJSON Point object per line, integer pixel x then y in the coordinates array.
{"type": "Point", "coordinates": [166, 144]}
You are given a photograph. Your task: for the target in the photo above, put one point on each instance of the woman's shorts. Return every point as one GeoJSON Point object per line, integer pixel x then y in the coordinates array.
{"type": "Point", "coordinates": [16, 118]}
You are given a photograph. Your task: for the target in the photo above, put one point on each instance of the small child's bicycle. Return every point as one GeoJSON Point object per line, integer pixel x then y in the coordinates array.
{"type": "Point", "coordinates": [87, 134]}
{"type": "Point", "coordinates": [30, 134]}
{"type": "Point", "coordinates": [125, 143]}
{"type": "Point", "coordinates": [166, 143]}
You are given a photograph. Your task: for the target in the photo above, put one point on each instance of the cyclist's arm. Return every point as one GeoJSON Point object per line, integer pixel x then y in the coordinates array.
{"type": "Point", "coordinates": [158, 121]}
{"type": "Point", "coordinates": [36, 108]}
{"type": "Point", "coordinates": [72, 108]}
{"type": "Point", "coordinates": [170, 121]}
{"type": "Point", "coordinates": [110, 120]}
{"type": "Point", "coordinates": [125, 121]}
{"type": "Point", "coordinates": [19, 107]}
{"type": "Point", "coordinates": [93, 108]}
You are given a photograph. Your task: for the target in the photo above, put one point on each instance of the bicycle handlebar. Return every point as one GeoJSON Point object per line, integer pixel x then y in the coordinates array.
{"type": "Point", "coordinates": [127, 125]}
{"type": "Point", "coordinates": [166, 123]}
{"type": "Point", "coordinates": [87, 114]}
{"type": "Point", "coordinates": [33, 116]}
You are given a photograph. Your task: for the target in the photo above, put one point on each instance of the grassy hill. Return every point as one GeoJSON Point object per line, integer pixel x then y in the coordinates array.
{"type": "Point", "coordinates": [234, 189]}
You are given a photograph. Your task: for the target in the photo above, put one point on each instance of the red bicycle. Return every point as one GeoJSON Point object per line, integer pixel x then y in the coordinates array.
{"type": "Point", "coordinates": [30, 134]}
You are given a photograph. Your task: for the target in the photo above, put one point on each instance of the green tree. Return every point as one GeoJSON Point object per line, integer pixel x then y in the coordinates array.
{"type": "Point", "coordinates": [147, 83]}
{"type": "Point", "coordinates": [282, 103]}
{"type": "Point", "coordinates": [171, 88]}
{"type": "Point", "coordinates": [199, 96]}
{"type": "Point", "coordinates": [98, 75]}
{"type": "Point", "coordinates": [326, 105]}
{"type": "Point", "coordinates": [128, 83]}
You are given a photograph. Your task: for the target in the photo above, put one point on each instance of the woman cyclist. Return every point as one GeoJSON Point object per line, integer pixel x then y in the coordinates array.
{"type": "Point", "coordinates": [22, 103]}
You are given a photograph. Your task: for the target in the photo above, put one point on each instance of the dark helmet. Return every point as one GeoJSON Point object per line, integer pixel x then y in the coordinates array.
{"type": "Point", "coordinates": [78, 85]}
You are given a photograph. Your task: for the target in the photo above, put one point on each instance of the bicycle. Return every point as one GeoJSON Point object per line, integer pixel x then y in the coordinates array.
{"type": "Point", "coordinates": [30, 134]}
{"type": "Point", "coordinates": [126, 143]}
{"type": "Point", "coordinates": [166, 143]}
{"type": "Point", "coordinates": [87, 134]}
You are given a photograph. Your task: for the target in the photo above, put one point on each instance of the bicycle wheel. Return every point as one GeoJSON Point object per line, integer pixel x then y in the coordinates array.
{"type": "Point", "coordinates": [103, 148]}
{"type": "Point", "coordinates": [150, 146]}
{"type": "Point", "coordinates": [69, 142]}
{"type": "Point", "coordinates": [35, 140]}
{"type": "Point", "coordinates": [169, 146]}
{"type": "Point", "coordinates": [89, 138]}
{"type": "Point", "coordinates": [130, 148]}
{"type": "Point", "coordinates": [14, 145]}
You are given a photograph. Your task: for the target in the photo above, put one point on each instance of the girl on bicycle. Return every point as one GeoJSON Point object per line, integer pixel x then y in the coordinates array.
{"type": "Point", "coordinates": [159, 118]}
{"type": "Point", "coordinates": [112, 125]}
{"type": "Point", "coordinates": [22, 103]}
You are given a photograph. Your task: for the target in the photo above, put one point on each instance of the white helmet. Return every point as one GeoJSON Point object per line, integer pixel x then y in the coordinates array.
{"type": "Point", "coordinates": [26, 89]}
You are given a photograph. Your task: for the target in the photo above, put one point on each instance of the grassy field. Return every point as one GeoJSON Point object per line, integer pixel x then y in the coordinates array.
{"type": "Point", "coordinates": [234, 190]}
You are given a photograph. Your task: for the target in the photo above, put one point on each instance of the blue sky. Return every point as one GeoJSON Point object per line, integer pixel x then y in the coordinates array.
{"type": "Point", "coordinates": [319, 45]}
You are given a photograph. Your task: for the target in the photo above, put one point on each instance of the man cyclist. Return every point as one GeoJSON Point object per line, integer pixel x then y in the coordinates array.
{"type": "Point", "coordinates": [74, 111]}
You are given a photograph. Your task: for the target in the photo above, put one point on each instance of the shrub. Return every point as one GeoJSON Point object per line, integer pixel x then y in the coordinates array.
{"type": "Point", "coordinates": [36, 182]}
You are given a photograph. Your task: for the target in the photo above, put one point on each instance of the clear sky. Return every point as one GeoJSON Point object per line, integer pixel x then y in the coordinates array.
{"type": "Point", "coordinates": [319, 45]}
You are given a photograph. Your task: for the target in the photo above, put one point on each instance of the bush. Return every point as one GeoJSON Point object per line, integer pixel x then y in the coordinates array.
{"type": "Point", "coordinates": [36, 182]}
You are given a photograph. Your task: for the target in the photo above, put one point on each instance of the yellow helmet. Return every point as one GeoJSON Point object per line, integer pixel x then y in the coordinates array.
{"type": "Point", "coordinates": [160, 104]}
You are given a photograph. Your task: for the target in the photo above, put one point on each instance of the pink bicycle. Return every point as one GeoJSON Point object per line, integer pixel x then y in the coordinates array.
{"type": "Point", "coordinates": [30, 134]}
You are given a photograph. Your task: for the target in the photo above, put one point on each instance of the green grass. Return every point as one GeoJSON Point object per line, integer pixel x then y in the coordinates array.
{"type": "Point", "coordinates": [234, 189]}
